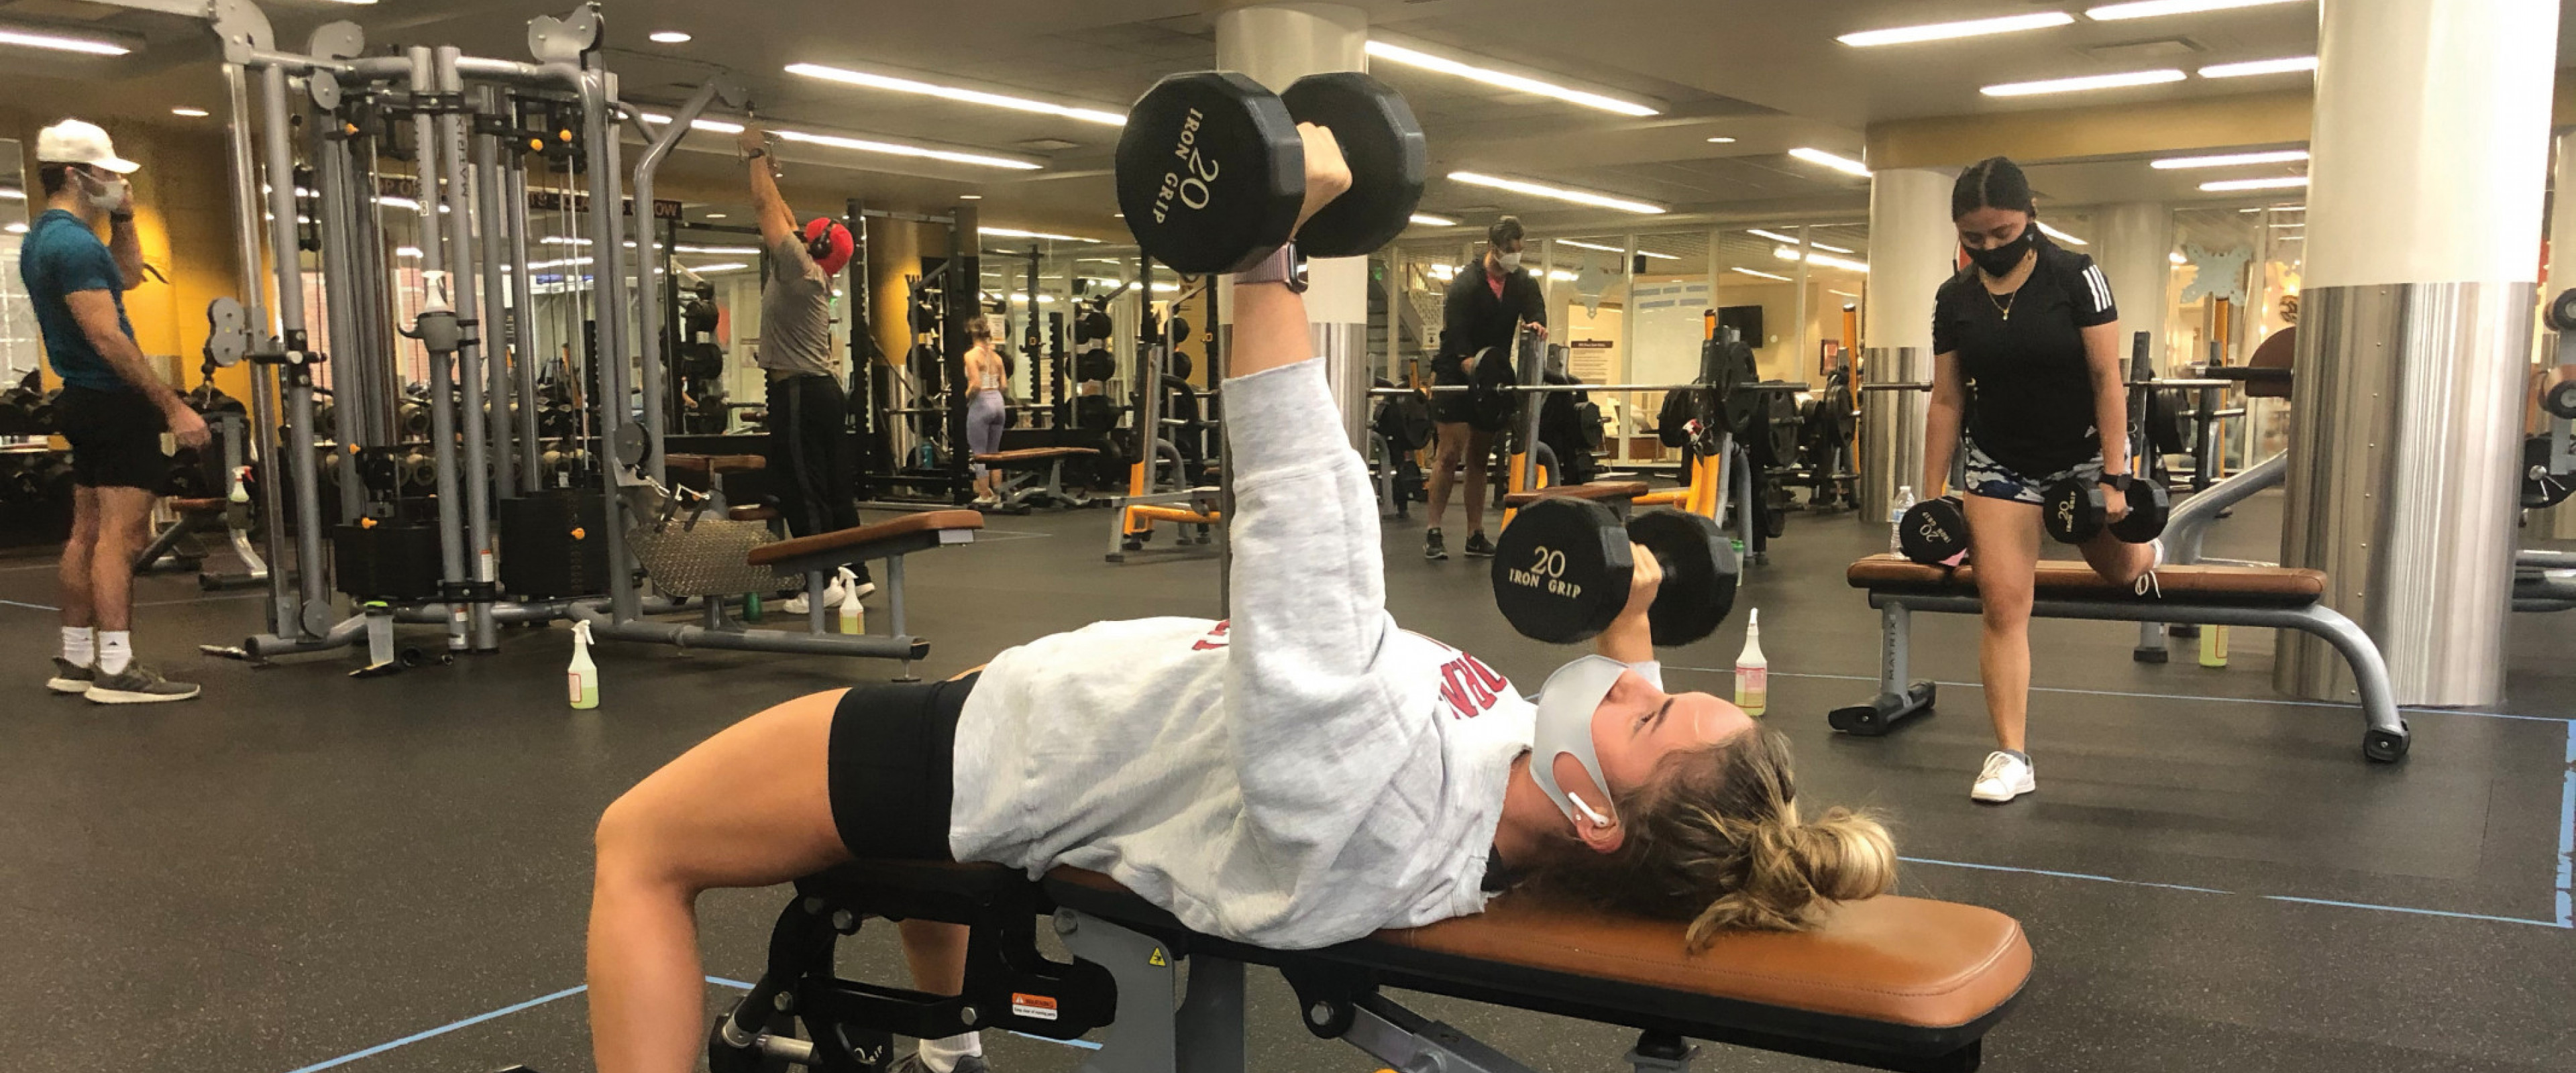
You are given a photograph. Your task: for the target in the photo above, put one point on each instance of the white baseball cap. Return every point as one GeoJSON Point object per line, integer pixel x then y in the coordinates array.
{"type": "Point", "coordinates": [73, 141]}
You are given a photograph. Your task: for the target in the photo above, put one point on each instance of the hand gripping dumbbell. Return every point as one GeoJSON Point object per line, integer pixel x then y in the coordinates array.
{"type": "Point", "coordinates": [1563, 567]}
{"type": "Point", "coordinates": [1212, 172]}
{"type": "Point", "coordinates": [2075, 509]}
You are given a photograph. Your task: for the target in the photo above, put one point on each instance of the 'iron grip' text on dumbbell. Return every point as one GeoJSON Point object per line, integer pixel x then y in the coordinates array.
{"type": "Point", "coordinates": [1547, 571]}
{"type": "Point", "coordinates": [1196, 172]}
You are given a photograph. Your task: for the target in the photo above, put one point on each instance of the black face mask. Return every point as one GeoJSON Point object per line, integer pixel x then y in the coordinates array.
{"type": "Point", "coordinates": [2000, 259]}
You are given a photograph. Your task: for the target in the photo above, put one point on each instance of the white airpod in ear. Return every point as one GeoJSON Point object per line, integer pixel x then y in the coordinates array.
{"type": "Point", "coordinates": [1587, 810]}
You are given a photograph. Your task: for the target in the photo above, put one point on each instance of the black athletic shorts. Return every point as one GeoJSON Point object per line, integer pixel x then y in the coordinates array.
{"type": "Point", "coordinates": [891, 767]}
{"type": "Point", "coordinates": [1464, 408]}
{"type": "Point", "coordinates": [115, 436]}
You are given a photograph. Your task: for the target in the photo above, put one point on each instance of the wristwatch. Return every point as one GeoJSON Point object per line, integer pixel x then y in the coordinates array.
{"type": "Point", "coordinates": [1284, 266]}
{"type": "Point", "coordinates": [756, 154]}
{"type": "Point", "coordinates": [120, 217]}
{"type": "Point", "coordinates": [2119, 481]}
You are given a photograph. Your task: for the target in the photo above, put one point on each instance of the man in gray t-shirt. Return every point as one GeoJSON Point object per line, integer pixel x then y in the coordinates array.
{"type": "Point", "coordinates": [810, 451]}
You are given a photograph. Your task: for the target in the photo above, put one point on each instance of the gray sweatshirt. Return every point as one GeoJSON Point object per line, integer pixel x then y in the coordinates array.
{"type": "Point", "coordinates": [1302, 774]}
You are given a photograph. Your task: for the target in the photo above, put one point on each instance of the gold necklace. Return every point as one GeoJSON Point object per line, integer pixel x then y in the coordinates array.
{"type": "Point", "coordinates": [2004, 307]}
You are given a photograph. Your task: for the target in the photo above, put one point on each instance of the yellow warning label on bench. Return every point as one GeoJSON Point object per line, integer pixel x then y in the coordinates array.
{"type": "Point", "coordinates": [1157, 959]}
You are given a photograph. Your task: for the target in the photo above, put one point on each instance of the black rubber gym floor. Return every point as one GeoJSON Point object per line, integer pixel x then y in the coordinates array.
{"type": "Point", "coordinates": [301, 871]}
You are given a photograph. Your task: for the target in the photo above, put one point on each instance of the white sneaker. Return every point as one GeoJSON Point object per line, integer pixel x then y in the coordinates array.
{"type": "Point", "coordinates": [2147, 581]}
{"type": "Point", "coordinates": [2005, 777]}
{"type": "Point", "coordinates": [798, 604]}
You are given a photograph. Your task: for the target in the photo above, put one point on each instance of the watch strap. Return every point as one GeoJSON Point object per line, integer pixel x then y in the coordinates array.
{"type": "Point", "coordinates": [1279, 267]}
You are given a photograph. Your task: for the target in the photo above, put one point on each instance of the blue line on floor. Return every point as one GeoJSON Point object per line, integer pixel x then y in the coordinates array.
{"type": "Point", "coordinates": [2286, 701]}
{"type": "Point", "coordinates": [2062, 875]}
{"type": "Point", "coordinates": [1081, 1043]}
{"type": "Point", "coordinates": [442, 1030]}
{"type": "Point", "coordinates": [2419, 912]}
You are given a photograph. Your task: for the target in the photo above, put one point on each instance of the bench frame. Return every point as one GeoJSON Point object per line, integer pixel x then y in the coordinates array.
{"type": "Point", "coordinates": [1019, 490]}
{"type": "Point", "coordinates": [1126, 978]}
{"type": "Point", "coordinates": [2384, 738]}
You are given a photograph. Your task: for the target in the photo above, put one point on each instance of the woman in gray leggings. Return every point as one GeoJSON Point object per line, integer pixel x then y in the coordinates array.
{"type": "Point", "coordinates": [987, 411]}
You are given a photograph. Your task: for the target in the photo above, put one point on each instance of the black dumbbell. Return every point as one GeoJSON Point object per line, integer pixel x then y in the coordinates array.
{"type": "Point", "coordinates": [2073, 510]}
{"type": "Point", "coordinates": [1934, 532]}
{"type": "Point", "coordinates": [2561, 314]}
{"type": "Point", "coordinates": [2560, 399]}
{"type": "Point", "coordinates": [1563, 567]}
{"type": "Point", "coordinates": [1212, 173]}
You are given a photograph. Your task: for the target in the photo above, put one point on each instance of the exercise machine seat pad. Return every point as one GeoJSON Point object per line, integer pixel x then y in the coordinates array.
{"type": "Point", "coordinates": [714, 463]}
{"type": "Point", "coordinates": [2061, 579]}
{"type": "Point", "coordinates": [1902, 963]}
{"type": "Point", "coordinates": [1597, 491]}
{"type": "Point", "coordinates": [1033, 454]}
{"type": "Point", "coordinates": [844, 540]}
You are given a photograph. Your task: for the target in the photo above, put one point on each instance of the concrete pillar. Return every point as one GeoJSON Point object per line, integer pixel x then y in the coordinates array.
{"type": "Point", "coordinates": [1276, 44]}
{"type": "Point", "coordinates": [2131, 242]}
{"type": "Point", "coordinates": [2559, 522]}
{"type": "Point", "coordinates": [1912, 249]}
{"type": "Point", "coordinates": [2414, 333]}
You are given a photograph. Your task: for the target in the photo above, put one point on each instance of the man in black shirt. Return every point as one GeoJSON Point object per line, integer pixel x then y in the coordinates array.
{"type": "Point", "coordinates": [1486, 301]}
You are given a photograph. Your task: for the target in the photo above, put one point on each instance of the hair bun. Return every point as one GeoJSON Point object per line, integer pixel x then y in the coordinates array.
{"type": "Point", "coordinates": [1846, 856]}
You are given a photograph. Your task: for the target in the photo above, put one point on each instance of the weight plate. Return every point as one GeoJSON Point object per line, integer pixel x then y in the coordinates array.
{"type": "Point", "coordinates": [1700, 572]}
{"type": "Point", "coordinates": [629, 445]}
{"type": "Point", "coordinates": [1383, 144]}
{"type": "Point", "coordinates": [2540, 487]}
{"type": "Point", "coordinates": [2560, 399]}
{"type": "Point", "coordinates": [1210, 172]}
{"type": "Point", "coordinates": [2562, 311]}
{"type": "Point", "coordinates": [1561, 570]}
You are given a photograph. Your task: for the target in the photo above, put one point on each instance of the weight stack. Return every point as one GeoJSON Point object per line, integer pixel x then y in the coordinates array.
{"type": "Point", "coordinates": [395, 563]}
{"type": "Point", "coordinates": [552, 544]}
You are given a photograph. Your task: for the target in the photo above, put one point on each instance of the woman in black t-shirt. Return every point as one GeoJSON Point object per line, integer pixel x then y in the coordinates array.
{"type": "Point", "coordinates": [2026, 360]}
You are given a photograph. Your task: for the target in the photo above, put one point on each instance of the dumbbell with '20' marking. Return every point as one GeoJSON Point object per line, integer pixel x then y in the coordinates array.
{"type": "Point", "coordinates": [1212, 172]}
{"type": "Point", "coordinates": [1563, 567]}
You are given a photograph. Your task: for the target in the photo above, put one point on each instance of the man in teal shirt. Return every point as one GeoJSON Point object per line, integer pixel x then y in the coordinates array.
{"type": "Point", "coordinates": [113, 408]}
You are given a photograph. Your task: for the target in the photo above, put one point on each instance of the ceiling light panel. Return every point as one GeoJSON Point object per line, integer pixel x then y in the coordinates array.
{"type": "Point", "coordinates": [1557, 193]}
{"type": "Point", "coordinates": [956, 93]}
{"type": "Point", "coordinates": [1507, 80]}
{"type": "Point", "coordinates": [2280, 183]}
{"type": "Point", "coordinates": [1581, 245]}
{"type": "Point", "coordinates": [2248, 68]}
{"type": "Point", "coordinates": [2229, 160]}
{"type": "Point", "coordinates": [1945, 31]}
{"type": "Point", "coordinates": [1836, 161]}
{"type": "Point", "coordinates": [2084, 84]}
{"type": "Point", "coordinates": [2148, 9]}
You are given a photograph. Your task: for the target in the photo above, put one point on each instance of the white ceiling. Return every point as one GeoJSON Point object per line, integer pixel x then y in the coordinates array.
{"type": "Point", "coordinates": [1765, 72]}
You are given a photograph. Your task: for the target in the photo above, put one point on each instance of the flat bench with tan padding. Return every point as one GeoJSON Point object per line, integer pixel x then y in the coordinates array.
{"type": "Point", "coordinates": [1889, 983]}
{"type": "Point", "coordinates": [704, 465]}
{"type": "Point", "coordinates": [820, 555]}
{"type": "Point", "coordinates": [1617, 494]}
{"type": "Point", "coordinates": [2201, 594]}
{"type": "Point", "coordinates": [1021, 489]}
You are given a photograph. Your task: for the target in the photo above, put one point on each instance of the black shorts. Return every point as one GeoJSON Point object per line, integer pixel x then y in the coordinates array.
{"type": "Point", "coordinates": [1462, 408]}
{"type": "Point", "coordinates": [891, 767]}
{"type": "Point", "coordinates": [115, 437]}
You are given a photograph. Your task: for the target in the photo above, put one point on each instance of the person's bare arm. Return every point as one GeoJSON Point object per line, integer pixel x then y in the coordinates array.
{"type": "Point", "coordinates": [1269, 319]}
{"type": "Point", "coordinates": [95, 312]}
{"type": "Point", "coordinates": [1631, 638]}
{"type": "Point", "coordinates": [2110, 408]}
{"type": "Point", "coordinates": [1949, 411]}
{"type": "Point", "coordinates": [777, 224]}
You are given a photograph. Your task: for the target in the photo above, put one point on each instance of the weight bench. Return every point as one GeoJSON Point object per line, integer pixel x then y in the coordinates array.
{"type": "Point", "coordinates": [1019, 492]}
{"type": "Point", "coordinates": [1889, 983]}
{"type": "Point", "coordinates": [1619, 496]}
{"type": "Point", "coordinates": [2206, 595]}
{"type": "Point", "coordinates": [819, 555]}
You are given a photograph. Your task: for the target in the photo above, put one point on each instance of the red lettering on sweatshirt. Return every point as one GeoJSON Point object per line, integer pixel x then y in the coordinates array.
{"type": "Point", "coordinates": [1215, 638]}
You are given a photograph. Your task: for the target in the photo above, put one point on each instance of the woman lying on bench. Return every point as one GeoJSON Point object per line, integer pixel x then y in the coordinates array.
{"type": "Point", "coordinates": [1303, 774]}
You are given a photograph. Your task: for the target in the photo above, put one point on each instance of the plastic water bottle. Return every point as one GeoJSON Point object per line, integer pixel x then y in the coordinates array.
{"type": "Point", "coordinates": [1752, 672]}
{"type": "Point", "coordinates": [853, 620]}
{"type": "Point", "coordinates": [1896, 518]}
{"type": "Point", "coordinates": [583, 676]}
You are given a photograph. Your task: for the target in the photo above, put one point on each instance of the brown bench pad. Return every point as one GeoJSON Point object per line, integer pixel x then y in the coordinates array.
{"type": "Point", "coordinates": [1901, 975]}
{"type": "Point", "coordinates": [928, 523]}
{"type": "Point", "coordinates": [1034, 454]}
{"type": "Point", "coordinates": [197, 506]}
{"type": "Point", "coordinates": [714, 463]}
{"type": "Point", "coordinates": [2059, 579]}
{"type": "Point", "coordinates": [1596, 490]}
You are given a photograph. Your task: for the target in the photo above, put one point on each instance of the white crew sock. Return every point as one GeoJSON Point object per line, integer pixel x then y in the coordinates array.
{"type": "Point", "coordinates": [115, 651]}
{"type": "Point", "coordinates": [80, 646]}
{"type": "Point", "coordinates": [941, 1055]}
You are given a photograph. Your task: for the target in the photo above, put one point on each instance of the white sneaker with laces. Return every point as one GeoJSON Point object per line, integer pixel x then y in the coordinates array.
{"type": "Point", "coordinates": [798, 604]}
{"type": "Point", "coordinates": [2005, 777]}
{"type": "Point", "coordinates": [2147, 581]}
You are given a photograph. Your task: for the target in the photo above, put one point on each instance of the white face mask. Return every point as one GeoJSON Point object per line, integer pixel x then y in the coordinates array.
{"type": "Point", "coordinates": [1510, 261]}
{"type": "Point", "coordinates": [1565, 706]}
{"type": "Point", "coordinates": [106, 194]}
